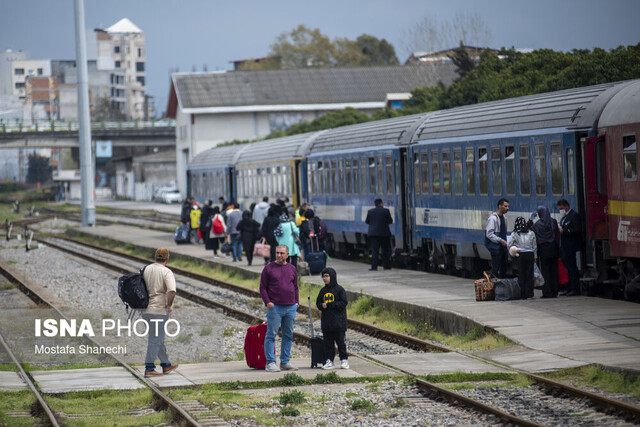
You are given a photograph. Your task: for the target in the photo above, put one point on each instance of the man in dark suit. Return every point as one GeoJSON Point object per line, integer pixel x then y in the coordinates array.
{"type": "Point", "coordinates": [379, 235]}
{"type": "Point", "coordinates": [570, 243]}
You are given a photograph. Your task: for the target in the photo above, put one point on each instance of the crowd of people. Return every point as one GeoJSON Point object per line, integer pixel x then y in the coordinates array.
{"type": "Point", "coordinates": [538, 240]}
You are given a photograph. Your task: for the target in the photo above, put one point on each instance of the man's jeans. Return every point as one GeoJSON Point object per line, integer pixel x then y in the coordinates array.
{"type": "Point", "coordinates": [236, 246]}
{"type": "Point", "coordinates": [278, 315]}
{"type": "Point", "coordinates": [155, 345]}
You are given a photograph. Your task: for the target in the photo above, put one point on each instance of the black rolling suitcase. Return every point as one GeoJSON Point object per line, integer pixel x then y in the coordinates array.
{"type": "Point", "coordinates": [183, 234]}
{"type": "Point", "coordinates": [317, 258]}
{"type": "Point", "coordinates": [317, 344]}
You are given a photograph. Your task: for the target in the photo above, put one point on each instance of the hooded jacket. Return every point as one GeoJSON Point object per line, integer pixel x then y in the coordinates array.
{"type": "Point", "coordinates": [334, 317]}
{"type": "Point", "coordinates": [260, 212]}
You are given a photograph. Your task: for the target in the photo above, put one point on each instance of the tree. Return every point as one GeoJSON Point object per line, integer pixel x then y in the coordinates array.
{"type": "Point", "coordinates": [104, 110]}
{"type": "Point", "coordinates": [39, 169]}
{"type": "Point", "coordinates": [334, 119]}
{"type": "Point", "coordinates": [376, 51]}
{"type": "Point", "coordinates": [303, 48]}
{"type": "Point", "coordinates": [461, 59]}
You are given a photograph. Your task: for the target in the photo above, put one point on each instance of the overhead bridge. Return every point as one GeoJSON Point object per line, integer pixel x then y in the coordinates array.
{"type": "Point", "coordinates": [65, 135]}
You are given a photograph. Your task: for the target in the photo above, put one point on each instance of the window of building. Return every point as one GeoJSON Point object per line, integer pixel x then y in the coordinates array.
{"type": "Point", "coordinates": [139, 66]}
{"type": "Point", "coordinates": [525, 170]}
{"type": "Point", "coordinates": [347, 175]}
{"type": "Point", "coordinates": [571, 171]}
{"type": "Point", "coordinates": [424, 168]}
{"type": "Point", "coordinates": [117, 64]}
{"type": "Point", "coordinates": [457, 171]}
{"type": "Point", "coordinates": [356, 176]}
{"type": "Point", "coordinates": [140, 80]}
{"type": "Point", "coordinates": [510, 169]}
{"type": "Point", "coordinates": [18, 71]}
{"type": "Point", "coordinates": [483, 171]}
{"type": "Point", "coordinates": [540, 168]}
{"type": "Point", "coordinates": [19, 85]}
{"type": "Point", "coordinates": [630, 157]}
{"type": "Point", "coordinates": [446, 171]}
{"type": "Point", "coordinates": [389, 174]}
{"type": "Point", "coordinates": [496, 170]}
{"type": "Point", "coordinates": [416, 172]}
{"type": "Point", "coordinates": [435, 172]}
{"type": "Point", "coordinates": [556, 168]}
{"type": "Point", "coordinates": [139, 52]}
{"type": "Point", "coordinates": [40, 71]}
{"type": "Point", "coordinates": [470, 161]}
{"type": "Point", "coordinates": [372, 175]}
{"type": "Point", "coordinates": [116, 49]}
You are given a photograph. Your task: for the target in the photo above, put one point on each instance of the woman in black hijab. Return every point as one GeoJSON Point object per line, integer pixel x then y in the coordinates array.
{"type": "Point", "coordinates": [545, 231]}
{"type": "Point", "coordinates": [249, 232]}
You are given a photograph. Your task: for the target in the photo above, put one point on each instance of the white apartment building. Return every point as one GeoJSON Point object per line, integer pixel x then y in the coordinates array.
{"type": "Point", "coordinates": [21, 69]}
{"type": "Point", "coordinates": [6, 80]}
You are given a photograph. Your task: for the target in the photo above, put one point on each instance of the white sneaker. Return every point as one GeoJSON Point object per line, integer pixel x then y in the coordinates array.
{"type": "Point", "coordinates": [288, 367]}
{"type": "Point", "coordinates": [328, 365]}
{"type": "Point", "coordinates": [272, 367]}
{"type": "Point", "coordinates": [344, 364]}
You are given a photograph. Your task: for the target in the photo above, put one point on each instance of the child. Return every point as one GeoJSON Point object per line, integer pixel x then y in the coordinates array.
{"type": "Point", "coordinates": [332, 301]}
{"type": "Point", "coordinates": [523, 241]}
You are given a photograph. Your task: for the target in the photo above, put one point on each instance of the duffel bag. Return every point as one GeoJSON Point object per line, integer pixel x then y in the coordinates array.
{"type": "Point", "coordinates": [484, 288]}
{"type": "Point", "coordinates": [507, 289]}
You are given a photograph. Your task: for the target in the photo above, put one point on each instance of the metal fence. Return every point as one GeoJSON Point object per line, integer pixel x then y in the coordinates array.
{"type": "Point", "coordinates": [62, 125]}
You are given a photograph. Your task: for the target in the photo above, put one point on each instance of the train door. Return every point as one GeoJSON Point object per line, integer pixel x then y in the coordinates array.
{"type": "Point", "coordinates": [595, 186]}
{"type": "Point", "coordinates": [404, 210]}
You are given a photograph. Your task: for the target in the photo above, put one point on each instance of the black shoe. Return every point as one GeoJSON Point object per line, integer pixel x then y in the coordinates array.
{"type": "Point", "coordinates": [239, 258]}
{"type": "Point", "coordinates": [573, 294]}
{"type": "Point", "coordinates": [387, 268]}
{"type": "Point", "coordinates": [565, 293]}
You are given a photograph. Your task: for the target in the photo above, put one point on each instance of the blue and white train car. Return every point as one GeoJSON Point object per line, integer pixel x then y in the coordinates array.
{"type": "Point", "coordinates": [464, 160]}
{"type": "Point", "coordinates": [211, 174]}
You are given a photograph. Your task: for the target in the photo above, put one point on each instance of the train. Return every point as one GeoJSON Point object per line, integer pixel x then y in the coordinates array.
{"type": "Point", "coordinates": [441, 174]}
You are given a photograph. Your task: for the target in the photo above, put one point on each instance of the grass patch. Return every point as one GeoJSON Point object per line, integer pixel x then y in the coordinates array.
{"type": "Point", "coordinates": [362, 405]}
{"type": "Point", "coordinates": [184, 338]}
{"type": "Point", "coordinates": [206, 331]}
{"type": "Point", "coordinates": [8, 367]}
{"type": "Point", "coordinates": [597, 377]}
{"type": "Point", "coordinates": [289, 411]}
{"type": "Point", "coordinates": [292, 397]}
{"type": "Point", "coordinates": [459, 377]}
{"type": "Point", "coordinates": [6, 287]}
{"type": "Point", "coordinates": [29, 367]}
{"type": "Point", "coordinates": [107, 402]}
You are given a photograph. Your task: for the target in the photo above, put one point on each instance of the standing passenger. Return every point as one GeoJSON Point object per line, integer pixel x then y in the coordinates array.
{"type": "Point", "coordinates": [496, 239]}
{"type": "Point", "coordinates": [261, 210]}
{"type": "Point", "coordinates": [570, 245]}
{"type": "Point", "coordinates": [269, 226]}
{"type": "Point", "coordinates": [379, 235]}
{"type": "Point", "coordinates": [195, 215]}
{"type": "Point", "coordinates": [279, 292]}
{"type": "Point", "coordinates": [525, 241]}
{"type": "Point", "coordinates": [234, 216]}
{"type": "Point", "coordinates": [249, 233]}
{"type": "Point", "coordinates": [545, 229]}
{"type": "Point", "coordinates": [300, 213]}
{"type": "Point", "coordinates": [185, 212]}
{"type": "Point", "coordinates": [161, 286]}
{"type": "Point", "coordinates": [223, 204]}
{"type": "Point", "coordinates": [332, 302]}
{"type": "Point", "coordinates": [288, 231]}
{"type": "Point", "coordinates": [218, 231]}
{"type": "Point", "coordinates": [205, 222]}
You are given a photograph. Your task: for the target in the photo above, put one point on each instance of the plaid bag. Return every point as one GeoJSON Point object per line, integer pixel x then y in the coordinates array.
{"type": "Point", "coordinates": [484, 288]}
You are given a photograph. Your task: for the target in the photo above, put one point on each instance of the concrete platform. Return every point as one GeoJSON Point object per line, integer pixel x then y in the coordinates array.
{"type": "Point", "coordinates": [586, 330]}
{"type": "Point", "coordinates": [11, 381]}
{"type": "Point", "coordinates": [437, 363]}
{"type": "Point", "coordinates": [529, 360]}
{"type": "Point", "coordinates": [63, 381]}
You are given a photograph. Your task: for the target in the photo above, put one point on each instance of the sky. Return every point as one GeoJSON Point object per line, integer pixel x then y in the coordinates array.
{"type": "Point", "coordinates": [188, 34]}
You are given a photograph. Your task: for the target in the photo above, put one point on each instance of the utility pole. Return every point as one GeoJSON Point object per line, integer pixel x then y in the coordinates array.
{"type": "Point", "coordinates": [84, 133]}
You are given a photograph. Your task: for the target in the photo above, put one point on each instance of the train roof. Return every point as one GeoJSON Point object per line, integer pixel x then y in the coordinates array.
{"type": "Point", "coordinates": [624, 107]}
{"type": "Point", "coordinates": [276, 149]}
{"type": "Point", "coordinates": [570, 109]}
{"type": "Point", "coordinates": [217, 156]}
{"type": "Point", "coordinates": [378, 133]}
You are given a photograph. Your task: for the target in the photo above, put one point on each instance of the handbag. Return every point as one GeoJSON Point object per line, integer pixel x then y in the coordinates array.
{"type": "Point", "coordinates": [262, 248]}
{"type": "Point", "coordinates": [538, 280]}
{"type": "Point", "coordinates": [226, 248]}
{"type": "Point", "coordinates": [485, 288]}
{"type": "Point", "coordinates": [563, 276]}
{"type": "Point", "coordinates": [295, 236]}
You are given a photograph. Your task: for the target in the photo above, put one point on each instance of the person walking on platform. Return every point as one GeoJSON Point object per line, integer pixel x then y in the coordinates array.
{"type": "Point", "coordinates": [268, 228]}
{"type": "Point", "coordinates": [261, 211]}
{"type": "Point", "coordinates": [195, 215]}
{"type": "Point", "coordinates": [570, 244]}
{"type": "Point", "coordinates": [223, 204]}
{"type": "Point", "coordinates": [218, 231]}
{"type": "Point", "coordinates": [495, 239]}
{"type": "Point", "coordinates": [279, 292]}
{"type": "Point", "coordinates": [161, 286]}
{"type": "Point", "coordinates": [523, 241]}
{"type": "Point", "coordinates": [185, 212]}
{"type": "Point", "coordinates": [545, 230]}
{"type": "Point", "coordinates": [205, 222]}
{"type": "Point", "coordinates": [379, 234]}
{"type": "Point", "coordinates": [234, 216]}
{"type": "Point", "coordinates": [332, 302]}
{"type": "Point", "coordinates": [300, 213]}
{"type": "Point", "coordinates": [306, 229]}
{"type": "Point", "coordinates": [249, 233]}
{"type": "Point", "coordinates": [286, 234]}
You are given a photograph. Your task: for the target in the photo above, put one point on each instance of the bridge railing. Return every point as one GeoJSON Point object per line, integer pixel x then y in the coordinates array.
{"type": "Point", "coordinates": [63, 125]}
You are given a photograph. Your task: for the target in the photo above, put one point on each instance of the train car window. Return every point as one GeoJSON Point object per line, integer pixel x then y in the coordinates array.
{"type": "Point", "coordinates": [630, 157]}
{"type": "Point", "coordinates": [320, 177]}
{"type": "Point", "coordinates": [540, 168]}
{"type": "Point", "coordinates": [347, 175]}
{"type": "Point", "coordinates": [326, 187]}
{"type": "Point", "coordinates": [483, 171]}
{"type": "Point", "coordinates": [556, 168]}
{"type": "Point", "coordinates": [457, 171]}
{"type": "Point", "coordinates": [601, 165]}
{"type": "Point", "coordinates": [271, 190]}
{"type": "Point", "coordinates": [334, 176]}
{"type": "Point", "coordinates": [510, 169]}
{"type": "Point", "coordinates": [525, 170]}
{"type": "Point", "coordinates": [496, 170]}
{"type": "Point", "coordinates": [416, 172]}
{"type": "Point", "coordinates": [341, 177]}
{"type": "Point", "coordinates": [396, 168]}
{"type": "Point", "coordinates": [363, 174]}
{"type": "Point", "coordinates": [380, 167]}
{"type": "Point", "coordinates": [435, 172]}
{"type": "Point", "coordinates": [470, 161]}
{"type": "Point", "coordinates": [571, 171]}
{"type": "Point", "coordinates": [372, 175]}
{"type": "Point", "coordinates": [389, 174]}
{"type": "Point", "coordinates": [312, 178]}
{"type": "Point", "coordinates": [258, 181]}
{"type": "Point", "coordinates": [424, 166]}
{"type": "Point", "coordinates": [356, 176]}
{"type": "Point", "coordinates": [446, 171]}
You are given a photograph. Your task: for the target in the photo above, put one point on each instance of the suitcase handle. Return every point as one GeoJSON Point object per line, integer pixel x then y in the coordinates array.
{"type": "Point", "coordinates": [310, 316]}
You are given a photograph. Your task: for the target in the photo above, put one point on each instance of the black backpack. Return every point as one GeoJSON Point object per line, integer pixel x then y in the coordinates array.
{"type": "Point", "coordinates": [132, 290]}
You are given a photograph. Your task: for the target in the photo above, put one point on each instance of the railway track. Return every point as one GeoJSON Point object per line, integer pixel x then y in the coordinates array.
{"type": "Point", "coordinates": [608, 406]}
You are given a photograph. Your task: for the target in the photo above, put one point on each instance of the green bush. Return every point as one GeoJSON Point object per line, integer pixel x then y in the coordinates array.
{"type": "Point", "coordinates": [291, 397]}
{"type": "Point", "coordinates": [362, 404]}
{"type": "Point", "coordinates": [290, 379]}
{"type": "Point", "coordinates": [289, 411]}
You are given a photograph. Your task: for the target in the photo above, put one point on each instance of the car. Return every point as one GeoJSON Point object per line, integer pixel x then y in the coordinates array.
{"type": "Point", "coordinates": [171, 196]}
